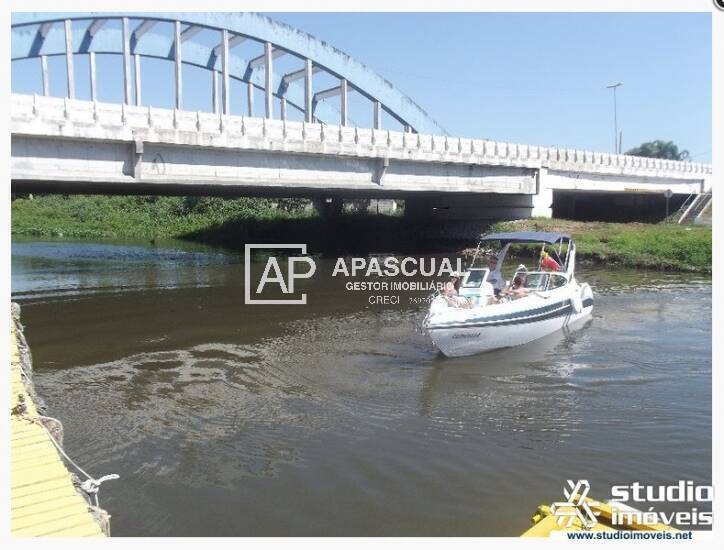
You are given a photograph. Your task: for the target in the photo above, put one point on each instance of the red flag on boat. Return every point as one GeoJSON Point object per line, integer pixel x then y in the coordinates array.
{"type": "Point", "coordinates": [549, 263]}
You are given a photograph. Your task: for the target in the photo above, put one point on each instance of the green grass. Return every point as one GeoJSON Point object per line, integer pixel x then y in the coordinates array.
{"type": "Point", "coordinates": [103, 217]}
{"type": "Point", "coordinates": [655, 246]}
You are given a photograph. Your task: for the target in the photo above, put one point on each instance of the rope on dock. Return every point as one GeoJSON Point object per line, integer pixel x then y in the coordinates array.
{"type": "Point", "coordinates": [89, 487]}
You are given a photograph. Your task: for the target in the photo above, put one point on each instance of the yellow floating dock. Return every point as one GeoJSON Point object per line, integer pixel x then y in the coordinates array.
{"type": "Point", "coordinates": [44, 501]}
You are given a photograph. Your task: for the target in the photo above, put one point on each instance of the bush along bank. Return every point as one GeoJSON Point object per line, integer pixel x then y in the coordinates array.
{"type": "Point", "coordinates": [664, 246]}
{"type": "Point", "coordinates": [214, 220]}
{"type": "Point", "coordinates": [137, 217]}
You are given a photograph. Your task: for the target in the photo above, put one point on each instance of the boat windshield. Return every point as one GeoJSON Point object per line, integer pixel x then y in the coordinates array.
{"type": "Point", "coordinates": [540, 256]}
{"type": "Point", "coordinates": [536, 281]}
{"type": "Point", "coordinates": [474, 278]}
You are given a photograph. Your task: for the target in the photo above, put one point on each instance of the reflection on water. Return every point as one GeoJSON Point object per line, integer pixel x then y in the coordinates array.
{"type": "Point", "coordinates": [339, 419]}
{"type": "Point", "coordinates": [68, 268]}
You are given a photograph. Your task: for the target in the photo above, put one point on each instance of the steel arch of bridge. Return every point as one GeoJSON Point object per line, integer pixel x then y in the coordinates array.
{"type": "Point", "coordinates": [70, 34]}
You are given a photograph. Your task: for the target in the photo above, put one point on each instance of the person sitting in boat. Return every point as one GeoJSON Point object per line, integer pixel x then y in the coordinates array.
{"type": "Point", "coordinates": [495, 277]}
{"type": "Point", "coordinates": [517, 288]}
{"type": "Point", "coordinates": [452, 295]}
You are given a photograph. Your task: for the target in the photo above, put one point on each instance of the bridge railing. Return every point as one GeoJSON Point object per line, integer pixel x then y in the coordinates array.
{"type": "Point", "coordinates": [63, 117]}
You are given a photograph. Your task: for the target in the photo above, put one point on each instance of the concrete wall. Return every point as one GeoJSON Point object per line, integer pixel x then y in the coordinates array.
{"type": "Point", "coordinates": [612, 206]}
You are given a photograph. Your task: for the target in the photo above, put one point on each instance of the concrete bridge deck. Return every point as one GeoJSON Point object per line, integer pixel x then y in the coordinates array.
{"type": "Point", "coordinates": [94, 147]}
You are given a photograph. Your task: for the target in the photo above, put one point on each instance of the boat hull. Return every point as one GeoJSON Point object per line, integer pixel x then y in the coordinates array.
{"type": "Point", "coordinates": [481, 335]}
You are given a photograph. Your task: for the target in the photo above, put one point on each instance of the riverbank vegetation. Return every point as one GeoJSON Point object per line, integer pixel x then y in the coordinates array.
{"type": "Point", "coordinates": [663, 246]}
{"type": "Point", "coordinates": [139, 217]}
{"type": "Point", "coordinates": [233, 222]}
{"type": "Point", "coordinates": [213, 220]}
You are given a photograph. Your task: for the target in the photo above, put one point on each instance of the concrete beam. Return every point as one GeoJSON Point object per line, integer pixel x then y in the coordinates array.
{"type": "Point", "coordinates": [297, 75]}
{"type": "Point", "coordinates": [215, 91]}
{"type": "Point", "coordinates": [45, 74]}
{"type": "Point", "coordinates": [44, 29]}
{"type": "Point", "coordinates": [137, 77]}
{"type": "Point", "coordinates": [143, 28]}
{"type": "Point", "coordinates": [169, 168]}
{"type": "Point", "coordinates": [261, 60]}
{"type": "Point", "coordinates": [177, 64]}
{"type": "Point", "coordinates": [308, 91]}
{"type": "Point", "coordinates": [343, 102]}
{"type": "Point", "coordinates": [326, 94]}
{"type": "Point", "coordinates": [69, 72]}
{"type": "Point", "coordinates": [92, 71]}
{"type": "Point", "coordinates": [250, 98]}
{"type": "Point", "coordinates": [225, 90]}
{"type": "Point", "coordinates": [233, 41]}
{"type": "Point", "coordinates": [268, 76]}
{"type": "Point", "coordinates": [377, 115]}
{"type": "Point", "coordinates": [607, 183]}
{"type": "Point", "coordinates": [543, 199]}
{"type": "Point", "coordinates": [126, 62]}
{"type": "Point", "coordinates": [189, 32]}
{"type": "Point", "coordinates": [95, 26]}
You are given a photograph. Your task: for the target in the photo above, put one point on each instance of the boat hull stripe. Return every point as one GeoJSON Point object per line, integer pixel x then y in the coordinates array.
{"type": "Point", "coordinates": [559, 309]}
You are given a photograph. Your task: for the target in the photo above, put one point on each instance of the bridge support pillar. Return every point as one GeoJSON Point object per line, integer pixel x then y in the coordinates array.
{"type": "Point", "coordinates": [543, 199]}
{"type": "Point", "coordinates": [329, 208]}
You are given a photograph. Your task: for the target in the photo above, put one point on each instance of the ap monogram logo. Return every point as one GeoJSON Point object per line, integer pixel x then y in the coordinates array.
{"type": "Point", "coordinates": [276, 276]}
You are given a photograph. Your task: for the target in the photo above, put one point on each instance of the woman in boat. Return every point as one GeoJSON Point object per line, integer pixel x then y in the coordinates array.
{"type": "Point", "coordinates": [517, 288]}
{"type": "Point", "coordinates": [451, 293]}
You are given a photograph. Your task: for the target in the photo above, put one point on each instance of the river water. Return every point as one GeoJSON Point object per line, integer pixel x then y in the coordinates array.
{"type": "Point", "coordinates": [339, 418]}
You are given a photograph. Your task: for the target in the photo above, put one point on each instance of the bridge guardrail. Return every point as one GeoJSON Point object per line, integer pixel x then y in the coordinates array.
{"type": "Point", "coordinates": [63, 117]}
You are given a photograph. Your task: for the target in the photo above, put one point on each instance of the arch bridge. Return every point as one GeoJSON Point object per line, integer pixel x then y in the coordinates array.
{"type": "Point", "coordinates": [211, 41]}
{"type": "Point", "coordinates": [302, 145]}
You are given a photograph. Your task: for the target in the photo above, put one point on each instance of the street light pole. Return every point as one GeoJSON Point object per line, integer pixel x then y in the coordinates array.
{"type": "Point", "coordinates": [616, 142]}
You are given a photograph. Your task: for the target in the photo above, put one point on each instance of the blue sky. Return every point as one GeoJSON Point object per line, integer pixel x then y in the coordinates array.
{"type": "Point", "coordinates": [534, 78]}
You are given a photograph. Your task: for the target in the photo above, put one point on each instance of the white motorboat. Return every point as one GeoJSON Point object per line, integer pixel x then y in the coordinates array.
{"type": "Point", "coordinates": [487, 314]}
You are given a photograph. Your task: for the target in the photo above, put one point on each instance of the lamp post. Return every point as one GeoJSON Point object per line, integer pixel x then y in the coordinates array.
{"type": "Point", "coordinates": [616, 141]}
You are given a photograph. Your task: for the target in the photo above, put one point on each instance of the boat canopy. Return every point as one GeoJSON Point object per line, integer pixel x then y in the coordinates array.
{"type": "Point", "coordinates": [527, 237]}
